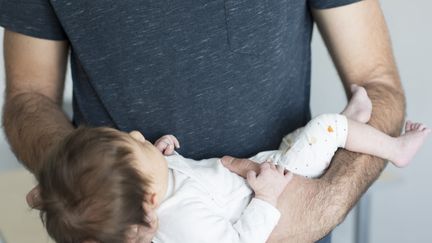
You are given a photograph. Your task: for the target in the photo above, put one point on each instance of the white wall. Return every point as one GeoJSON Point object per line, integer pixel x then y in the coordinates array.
{"type": "Point", "coordinates": [401, 201]}
{"type": "Point", "coordinates": [7, 159]}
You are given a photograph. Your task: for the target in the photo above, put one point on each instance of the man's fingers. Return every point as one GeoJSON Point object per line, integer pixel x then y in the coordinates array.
{"type": "Point", "coordinates": [240, 166]}
{"type": "Point", "coordinates": [251, 177]}
{"type": "Point", "coordinates": [227, 161]}
{"type": "Point", "coordinates": [33, 198]}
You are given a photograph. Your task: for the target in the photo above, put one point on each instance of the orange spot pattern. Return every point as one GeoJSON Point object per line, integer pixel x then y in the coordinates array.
{"type": "Point", "coordinates": [330, 129]}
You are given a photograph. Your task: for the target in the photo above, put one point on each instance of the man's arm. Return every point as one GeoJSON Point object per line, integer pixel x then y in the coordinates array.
{"type": "Point", "coordinates": [359, 43]}
{"type": "Point", "coordinates": [32, 116]}
{"type": "Point", "coordinates": [357, 38]}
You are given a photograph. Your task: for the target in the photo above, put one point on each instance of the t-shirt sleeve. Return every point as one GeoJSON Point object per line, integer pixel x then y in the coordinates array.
{"type": "Point", "coordinates": [322, 4]}
{"type": "Point", "coordinates": [35, 18]}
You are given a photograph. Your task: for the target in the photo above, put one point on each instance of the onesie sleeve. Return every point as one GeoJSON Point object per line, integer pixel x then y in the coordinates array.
{"type": "Point", "coordinates": [34, 18]}
{"type": "Point", "coordinates": [257, 222]}
{"type": "Point", "coordinates": [323, 4]}
{"type": "Point", "coordinates": [203, 224]}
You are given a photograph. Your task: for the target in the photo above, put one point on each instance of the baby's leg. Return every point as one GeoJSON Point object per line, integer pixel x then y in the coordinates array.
{"type": "Point", "coordinates": [359, 107]}
{"type": "Point", "coordinates": [366, 139]}
{"type": "Point", "coordinates": [308, 151]}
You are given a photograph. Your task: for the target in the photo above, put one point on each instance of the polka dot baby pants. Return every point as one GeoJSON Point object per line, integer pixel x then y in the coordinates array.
{"type": "Point", "coordinates": [308, 151]}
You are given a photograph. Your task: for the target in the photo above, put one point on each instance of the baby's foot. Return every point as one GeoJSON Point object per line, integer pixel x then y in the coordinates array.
{"type": "Point", "coordinates": [410, 143]}
{"type": "Point", "coordinates": [359, 107]}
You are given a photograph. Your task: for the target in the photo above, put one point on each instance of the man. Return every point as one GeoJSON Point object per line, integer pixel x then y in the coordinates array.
{"type": "Point", "coordinates": [226, 77]}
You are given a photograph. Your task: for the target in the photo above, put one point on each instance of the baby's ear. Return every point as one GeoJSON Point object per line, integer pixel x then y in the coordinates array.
{"type": "Point", "coordinates": [149, 210]}
{"type": "Point", "coordinates": [132, 232]}
{"type": "Point", "coordinates": [140, 233]}
{"type": "Point", "coordinates": [150, 202]}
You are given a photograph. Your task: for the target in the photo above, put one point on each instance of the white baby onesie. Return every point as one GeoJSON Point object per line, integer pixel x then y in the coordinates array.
{"type": "Point", "coordinates": [308, 150]}
{"type": "Point", "coordinates": [206, 203]}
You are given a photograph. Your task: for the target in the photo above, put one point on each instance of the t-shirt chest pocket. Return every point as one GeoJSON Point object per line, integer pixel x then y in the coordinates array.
{"type": "Point", "coordinates": [256, 26]}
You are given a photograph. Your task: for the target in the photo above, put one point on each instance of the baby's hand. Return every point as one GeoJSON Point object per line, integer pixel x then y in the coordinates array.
{"type": "Point", "coordinates": [166, 144]}
{"type": "Point", "coordinates": [270, 182]}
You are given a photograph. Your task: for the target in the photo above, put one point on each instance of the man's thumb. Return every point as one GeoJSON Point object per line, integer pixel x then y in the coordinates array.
{"type": "Point", "coordinates": [33, 198]}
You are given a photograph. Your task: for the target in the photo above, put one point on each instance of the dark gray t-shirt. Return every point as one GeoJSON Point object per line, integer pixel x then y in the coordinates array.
{"type": "Point", "coordinates": [227, 77]}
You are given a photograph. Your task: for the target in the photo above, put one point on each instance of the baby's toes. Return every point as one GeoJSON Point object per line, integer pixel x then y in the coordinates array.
{"type": "Point", "coordinates": [408, 125]}
{"type": "Point", "coordinates": [422, 127]}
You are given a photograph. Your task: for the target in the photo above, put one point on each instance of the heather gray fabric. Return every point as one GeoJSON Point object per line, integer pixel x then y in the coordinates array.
{"type": "Point", "coordinates": [225, 76]}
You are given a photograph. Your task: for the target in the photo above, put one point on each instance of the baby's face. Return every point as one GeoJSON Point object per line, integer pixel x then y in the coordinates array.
{"type": "Point", "coordinates": [151, 163]}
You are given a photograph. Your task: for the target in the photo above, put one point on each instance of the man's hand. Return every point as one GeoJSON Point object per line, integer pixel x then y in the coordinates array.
{"type": "Point", "coordinates": [240, 166]}
{"type": "Point", "coordinates": [248, 169]}
{"type": "Point", "coordinates": [270, 182]}
{"type": "Point", "coordinates": [166, 144]}
{"type": "Point", "coordinates": [33, 198]}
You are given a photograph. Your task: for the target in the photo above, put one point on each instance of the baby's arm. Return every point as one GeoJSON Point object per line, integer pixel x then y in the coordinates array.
{"type": "Point", "coordinates": [166, 144]}
{"type": "Point", "coordinates": [201, 223]}
{"type": "Point", "coordinates": [269, 183]}
{"type": "Point", "coordinates": [261, 216]}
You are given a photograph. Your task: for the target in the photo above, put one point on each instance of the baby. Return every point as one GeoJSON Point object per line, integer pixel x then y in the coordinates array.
{"type": "Point", "coordinates": [99, 182]}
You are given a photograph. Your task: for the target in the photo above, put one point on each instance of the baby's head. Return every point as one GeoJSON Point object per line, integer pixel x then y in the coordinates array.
{"type": "Point", "coordinates": [95, 183]}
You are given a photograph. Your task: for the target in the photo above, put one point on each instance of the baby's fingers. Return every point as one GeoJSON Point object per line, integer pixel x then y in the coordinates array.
{"type": "Point", "coordinates": [172, 140]}
{"type": "Point", "coordinates": [280, 169]}
{"type": "Point", "coordinates": [175, 141]}
{"type": "Point", "coordinates": [161, 145]}
{"type": "Point", "coordinates": [288, 176]}
{"type": "Point", "coordinates": [272, 165]}
{"type": "Point", "coordinates": [169, 149]}
{"type": "Point", "coordinates": [265, 166]}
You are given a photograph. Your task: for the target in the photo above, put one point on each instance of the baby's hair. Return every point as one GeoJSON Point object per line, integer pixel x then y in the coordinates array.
{"type": "Point", "coordinates": [90, 188]}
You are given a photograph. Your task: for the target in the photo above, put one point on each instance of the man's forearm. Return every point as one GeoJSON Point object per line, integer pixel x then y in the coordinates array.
{"type": "Point", "coordinates": [351, 174]}
{"type": "Point", "coordinates": [33, 123]}
{"type": "Point", "coordinates": [312, 208]}
{"type": "Point", "coordinates": [358, 40]}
